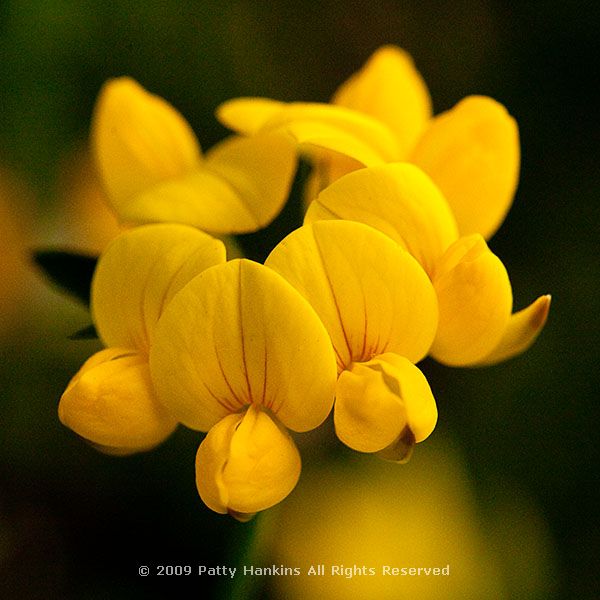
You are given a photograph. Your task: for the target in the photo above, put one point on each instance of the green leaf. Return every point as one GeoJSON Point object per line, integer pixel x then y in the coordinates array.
{"type": "Point", "coordinates": [87, 333]}
{"type": "Point", "coordinates": [70, 271]}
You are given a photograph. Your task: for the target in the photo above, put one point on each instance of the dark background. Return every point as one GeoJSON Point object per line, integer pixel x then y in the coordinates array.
{"type": "Point", "coordinates": [76, 524]}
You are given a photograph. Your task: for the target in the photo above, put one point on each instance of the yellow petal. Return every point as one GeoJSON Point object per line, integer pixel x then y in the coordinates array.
{"type": "Point", "coordinates": [260, 169]}
{"type": "Point", "coordinates": [475, 300]}
{"type": "Point", "coordinates": [377, 400]}
{"type": "Point", "coordinates": [472, 153]}
{"type": "Point", "coordinates": [139, 273]}
{"type": "Point", "coordinates": [372, 296]}
{"type": "Point", "coordinates": [309, 123]}
{"type": "Point", "coordinates": [326, 169]}
{"type": "Point", "coordinates": [247, 115]}
{"type": "Point", "coordinates": [522, 330]}
{"type": "Point", "coordinates": [110, 402]}
{"type": "Point", "coordinates": [139, 140]}
{"type": "Point", "coordinates": [240, 187]}
{"type": "Point", "coordinates": [246, 463]}
{"type": "Point", "coordinates": [389, 88]}
{"type": "Point", "coordinates": [336, 128]}
{"type": "Point", "coordinates": [239, 334]}
{"type": "Point", "coordinates": [400, 201]}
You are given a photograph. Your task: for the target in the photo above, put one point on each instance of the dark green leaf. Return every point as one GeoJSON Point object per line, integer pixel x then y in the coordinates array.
{"type": "Point", "coordinates": [70, 271]}
{"type": "Point", "coordinates": [87, 333]}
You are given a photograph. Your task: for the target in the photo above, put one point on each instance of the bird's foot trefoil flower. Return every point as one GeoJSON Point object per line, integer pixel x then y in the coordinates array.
{"type": "Point", "coordinates": [471, 151]}
{"type": "Point", "coordinates": [111, 401]}
{"type": "Point", "coordinates": [391, 265]}
{"type": "Point", "coordinates": [153, 170]}
{"type": "Point", "coordinates": [381, 313]}
{"type": "Point", "coordinates": [471, 283]}
{"type": "Point", "coordinates": [241, 354]}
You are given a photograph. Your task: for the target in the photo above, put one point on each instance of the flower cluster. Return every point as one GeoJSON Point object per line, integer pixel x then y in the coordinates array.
{"type": "Point", "coordinates": [390, 265]}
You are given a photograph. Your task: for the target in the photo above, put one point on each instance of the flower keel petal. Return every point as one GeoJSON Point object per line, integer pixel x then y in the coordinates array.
{"type": "Point", "coordinates": [377, 401]}
{"type": "Point", "coordinates": [110, 402]}
{"type": "Point", "coordinates": [475, 300]}
{"type": "Point", "coordinates": [246, 463]}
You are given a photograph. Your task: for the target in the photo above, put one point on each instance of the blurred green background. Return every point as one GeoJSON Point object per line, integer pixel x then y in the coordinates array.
{"type": "Point", "coordinates": [77, 524]}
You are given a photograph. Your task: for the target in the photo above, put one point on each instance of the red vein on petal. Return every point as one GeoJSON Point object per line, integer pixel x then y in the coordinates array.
{"type": "Point", "coordinates": [228, 407]}
{"type": "Point", "coordinates": [335, 302]}
{"type": "Point", "coordinates": [240, 312]}
{"type": "Point", "coordinates": [226, 380]}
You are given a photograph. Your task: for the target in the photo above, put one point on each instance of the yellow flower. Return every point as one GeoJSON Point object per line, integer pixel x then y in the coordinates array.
{"type": "Point", "coordinates": [473, 289]}
{"type": "Point", "coordinates": [240, 354]}
{"type": "Point", "coordinates": [471, 151]}
{"type": "Point", "coordinates": [381, 313]}
{"type": "Point", "coordinates": [110, 401]}
{"type": "Point", "coordinates": [152, 168]}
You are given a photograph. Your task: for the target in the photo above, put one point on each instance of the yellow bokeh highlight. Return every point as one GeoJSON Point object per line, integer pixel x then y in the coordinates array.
{"type": "Point", "coordinates": [370, 514]}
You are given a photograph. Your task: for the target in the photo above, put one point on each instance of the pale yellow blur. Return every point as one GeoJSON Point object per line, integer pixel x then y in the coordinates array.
{"type": "Point", "coordinates": [370, 514]}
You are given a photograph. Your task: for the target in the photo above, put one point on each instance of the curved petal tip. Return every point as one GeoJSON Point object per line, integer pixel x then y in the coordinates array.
{"type": "Point", "coordinates": [522, 330]}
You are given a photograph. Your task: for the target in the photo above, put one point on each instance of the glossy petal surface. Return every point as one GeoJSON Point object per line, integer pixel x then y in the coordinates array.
{"type": "Point", "coordinates": [239, 334]}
